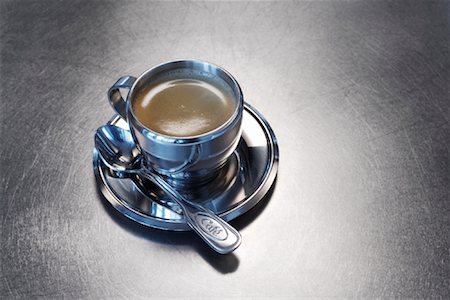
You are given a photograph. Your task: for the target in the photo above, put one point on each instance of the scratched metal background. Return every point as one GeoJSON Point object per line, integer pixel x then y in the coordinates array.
{"type": "Point", "coordinates": [357, 92]}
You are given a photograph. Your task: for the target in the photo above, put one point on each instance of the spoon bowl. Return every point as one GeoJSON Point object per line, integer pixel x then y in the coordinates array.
{"type": "Point", "coordinates": [117, 147]}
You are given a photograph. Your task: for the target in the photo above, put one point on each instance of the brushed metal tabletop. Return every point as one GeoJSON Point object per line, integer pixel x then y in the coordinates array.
{"type": "Point", "coordinates": [356, 92]}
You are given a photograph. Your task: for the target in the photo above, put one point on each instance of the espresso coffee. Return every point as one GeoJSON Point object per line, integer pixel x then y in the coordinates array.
{"type": "Point", "coordinates": [184, 107]}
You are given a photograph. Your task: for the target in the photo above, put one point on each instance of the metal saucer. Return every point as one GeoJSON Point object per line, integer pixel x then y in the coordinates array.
{"type": "Point", "coordinates": [239, 186]}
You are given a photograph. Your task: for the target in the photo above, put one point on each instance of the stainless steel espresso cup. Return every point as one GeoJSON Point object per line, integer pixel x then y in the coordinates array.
{"type": "Point", "coordinates": [183, 160]}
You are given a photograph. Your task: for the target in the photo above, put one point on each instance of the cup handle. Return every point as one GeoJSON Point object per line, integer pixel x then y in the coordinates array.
{"type": "Point", "coordinates": [115, 98]}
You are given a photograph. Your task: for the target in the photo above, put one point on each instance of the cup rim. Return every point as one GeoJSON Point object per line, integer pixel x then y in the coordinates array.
{"type": "Point", "coordinates": [195, 138]}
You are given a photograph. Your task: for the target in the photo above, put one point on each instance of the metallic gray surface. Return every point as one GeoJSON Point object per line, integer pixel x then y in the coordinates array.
{"type": "Point", "coordinates": [357, 93]}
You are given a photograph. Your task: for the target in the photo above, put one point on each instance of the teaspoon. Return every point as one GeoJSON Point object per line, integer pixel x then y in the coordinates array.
{"type": "Point", "coordinates": [118, 151]}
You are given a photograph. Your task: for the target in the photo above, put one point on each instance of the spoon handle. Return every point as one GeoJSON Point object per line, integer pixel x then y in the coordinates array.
{"type": "Point", "coordinates": [217, 233]}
